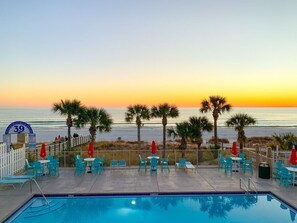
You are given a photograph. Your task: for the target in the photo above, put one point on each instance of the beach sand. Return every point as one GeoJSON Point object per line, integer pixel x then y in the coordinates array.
{"type": "Point", "coordinates": [155, 133]}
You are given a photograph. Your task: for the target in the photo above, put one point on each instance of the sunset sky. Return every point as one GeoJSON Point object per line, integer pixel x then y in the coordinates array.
{"type": "Point", "coordinates": [114, 53]}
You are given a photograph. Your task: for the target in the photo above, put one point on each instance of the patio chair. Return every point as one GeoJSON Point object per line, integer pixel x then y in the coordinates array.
{"type": "Point", "coordinates": [247, 166]}
{"type": "Point", "coordinates": [54, 167]}
{"type": "Point", "coordinates": [142, 163]}
{"type": "Point", "coordinates": [279, 166]}
{"type": "Point", "coordinates": [122, 163]}
{"type": "Point", "coordinates": [96, 166]}
{"type": "Point", "coordinates": [228, 165]}
{"type": "Point", "coordinates": [286, 177]}
{"type": "Point", "coordinates": [38, 169]}
{"type": "Point", "coordinates": [222, 162]}
{"type": "Point", "coordinates": [164, 164]}
{"type": "Point", "coordinates": [9, 177]}
{"type": "Point", "coordinates": [181, 163]}
{"type": "Point", "coordinates": [242, 156]}
{"type": "Point", "coordinates": [113, 163]}
{"type": "Point", "coordinates": [29, 168]}
{"type": "Point", "coordinates": [50, 158]}
{"type": "Point", "coordinates": [154, 165]}
{"type": "Point", "coordinates": [80, 167]}
{"type": "Point", "coordinates": [12, 182]}
{"type": "Point", "coordinates": [102, 161]}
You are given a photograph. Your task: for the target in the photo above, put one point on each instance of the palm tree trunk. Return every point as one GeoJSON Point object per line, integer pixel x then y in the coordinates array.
{"type": "Point", "coordinates": [164, 141]}
{"type": "Point", "coordinates": [69, 138]}
{"type": "Point", "coordinates": [138, 138]}
{"type": "Point", "coordinates": [200, 153]}
{"type": "Point", "coordinates": [215, 133]}
{"type": "Point", "coordinates": [240, 140]}
{"type": "Point", "coordinates": [92, 137]}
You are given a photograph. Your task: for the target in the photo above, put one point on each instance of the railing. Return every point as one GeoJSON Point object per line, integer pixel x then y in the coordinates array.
{"type": "Point", "coordinates": [247, 188]}
{"type": "Point", "coordinates": [205, 157]}
{"type": "Point", "coordinates": [243, 186]}
{"type": "Point", "coordinates": [56, 148]}
{"type": "Point", "coordinates": [14, 161]}
{"type": "Point", "coordinates": [250, 182]}
{"type": "Point", "coordinates": [11, 162]}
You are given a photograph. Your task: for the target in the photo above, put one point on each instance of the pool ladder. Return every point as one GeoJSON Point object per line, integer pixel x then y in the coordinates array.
{"type": "Point", "coordinates": [248, 188]}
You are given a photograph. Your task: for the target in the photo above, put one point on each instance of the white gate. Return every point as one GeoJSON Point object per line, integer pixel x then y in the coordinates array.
{"type": "Point", "coordinates": [11, 162]}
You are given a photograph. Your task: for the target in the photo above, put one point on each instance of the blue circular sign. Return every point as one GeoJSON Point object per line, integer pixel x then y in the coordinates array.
{"type": "Point", "coordinates": [19, 127]}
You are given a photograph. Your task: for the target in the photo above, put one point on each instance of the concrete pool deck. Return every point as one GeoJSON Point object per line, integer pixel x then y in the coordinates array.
{"type": "Point", "coordinates": [129, 180]}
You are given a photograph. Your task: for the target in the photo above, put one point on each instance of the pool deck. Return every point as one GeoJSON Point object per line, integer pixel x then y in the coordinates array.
{"type": "Point", "coordinates": [129, 180]}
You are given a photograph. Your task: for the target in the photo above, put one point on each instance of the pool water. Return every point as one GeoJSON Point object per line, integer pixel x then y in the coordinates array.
{"type": "Point", "coordinates": [211, 208]}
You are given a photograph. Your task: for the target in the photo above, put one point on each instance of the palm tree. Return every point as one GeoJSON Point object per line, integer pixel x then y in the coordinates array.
{"type": "Point", "coordinates": [182, 131]}
{"type": "Point", "coordinates": [98, 119]}
{"type": "Point", "coordinates": [216, 105]}
{"type": "Point", "coordinates": [285, 140]}
{"type": "Point", "coordinates": [70, 109]}
{"type": "Point", "coordinates": [164, 111]}
{"type": "Point", "coordinates": [197, 127]}
{"type": "Point", "coordinates": [239, 122]}
{"type": "Point", "coordinates": [139, 112]}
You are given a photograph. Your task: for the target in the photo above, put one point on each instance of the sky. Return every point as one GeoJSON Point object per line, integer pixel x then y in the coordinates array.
{"type": "Point", "coordinates": [115, 53]}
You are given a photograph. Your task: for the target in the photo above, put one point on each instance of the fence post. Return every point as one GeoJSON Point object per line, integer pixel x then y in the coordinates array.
{"type": "Point", "coordinates": [174, 155]}
{"type": "Point", "coordinates": [197, 156]}
{"type": "Point", "coordinates": [64, 158]}
{"type": "Point", "coordinates": [129, 157]}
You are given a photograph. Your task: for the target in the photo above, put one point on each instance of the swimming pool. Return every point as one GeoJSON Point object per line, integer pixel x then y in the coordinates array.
{"type": "Point", "coordinates": [211, 208]}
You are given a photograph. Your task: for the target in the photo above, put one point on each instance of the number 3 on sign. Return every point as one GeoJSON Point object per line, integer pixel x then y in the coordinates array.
{"type": "Point", "coordinates": [19, 128]}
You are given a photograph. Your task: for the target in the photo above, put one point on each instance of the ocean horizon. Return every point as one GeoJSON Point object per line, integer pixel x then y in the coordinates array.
{"type": "Point", "coordinates": [47, 124]}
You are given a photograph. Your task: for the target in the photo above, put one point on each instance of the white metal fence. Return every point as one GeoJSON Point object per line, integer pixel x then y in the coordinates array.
{"type": "Point", "coordinates": [11, 162]}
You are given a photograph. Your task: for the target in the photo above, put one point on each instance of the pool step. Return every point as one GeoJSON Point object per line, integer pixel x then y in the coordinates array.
{"type": "Point", "coordinates": [41, 208]}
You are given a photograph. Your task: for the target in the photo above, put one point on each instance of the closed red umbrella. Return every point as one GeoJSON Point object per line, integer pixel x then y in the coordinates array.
{"type": "Point", "coordinates": [42, 151]}
{"type": "Point", "coordinates": [234, 149]}
{"type": "Point", "coordinates": [154, 147]}
{"type": "Point", "coordinates": [91, 149]}
{"type": "Point", "coordinates": [293, 156]}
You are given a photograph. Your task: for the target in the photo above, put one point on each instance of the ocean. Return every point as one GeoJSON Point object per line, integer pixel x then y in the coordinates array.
{"type": "Point", "coordinates": [47, 124]}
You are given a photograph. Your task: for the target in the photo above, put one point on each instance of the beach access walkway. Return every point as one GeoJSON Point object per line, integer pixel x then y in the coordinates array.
{"type": "Point", "coordinates": [129, 180]}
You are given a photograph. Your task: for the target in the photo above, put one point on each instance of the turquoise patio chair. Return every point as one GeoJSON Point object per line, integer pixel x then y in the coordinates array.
{"type": "Point", "coordinates": [122, 163]}
{"type": "Point", "coordinates": [278, 169]}
{"type": "Point", "coordinates": [29, 168]}
{"type": "Point", "coordinates": [242, 156]}
{"type": "Point", "coordinates": [181, 163]}
{"type": "Point", "coordinates": [12, 182]}
{"type": "Point", "coordinates": [247, 166]}
{"type": "Point", "coordinates": [102, 162]}
{"type": "Point", "coordinates": [164, 164]}
{"type": "Point", "coordinates": [228, 165]}
{"type": "Point", "coordinates": [96, 166]}
{"type": "Point", "coordinates": [286, 177]}
{"type": "Point", "coordinates": [54, 167]}
{"type": "Point", "coordinates": [142, 163]}
{"type": "Point", "coordinates": [114, 163]}
{"type": "Point", "coordinates": [154, 165]}
{"type": "Point", "coordinates": [50, 158]}
{"type": "Point", "coordinates": [80, 167]}
{"type": "Point", "coordinates": [222, 162]}
{"type": "Point", "coordinates": [38, 169]}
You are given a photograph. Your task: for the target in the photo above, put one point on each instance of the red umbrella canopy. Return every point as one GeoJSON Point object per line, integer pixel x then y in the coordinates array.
{"type": "Point", "coordinates": [154, 147]}
{"type": "Point", "coordinates": [293, 156]}
{"type": "Point", "coordinates": [234, 149]}
{"type": "Point", "coordinates": [91, 149]}
{"type": "Point", "coordinates": [42, 151]}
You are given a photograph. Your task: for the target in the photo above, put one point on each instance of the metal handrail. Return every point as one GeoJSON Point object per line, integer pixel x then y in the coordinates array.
{"type": "Point", "coordinates": [249, 185]}
{"type": "Point", "coordinates": [241, 181]}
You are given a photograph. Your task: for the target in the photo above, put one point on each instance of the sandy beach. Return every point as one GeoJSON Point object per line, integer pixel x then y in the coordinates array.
{"type": "Point", "coordinates": [155, 133]}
